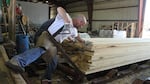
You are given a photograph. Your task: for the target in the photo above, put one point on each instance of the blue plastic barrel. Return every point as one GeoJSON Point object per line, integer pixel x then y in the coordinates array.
{"type": "Point", "coordinates": [22, 42]}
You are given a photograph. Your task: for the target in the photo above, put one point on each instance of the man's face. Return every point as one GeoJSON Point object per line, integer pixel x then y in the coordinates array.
{"type": "Point", "coordinates": [80, 23]}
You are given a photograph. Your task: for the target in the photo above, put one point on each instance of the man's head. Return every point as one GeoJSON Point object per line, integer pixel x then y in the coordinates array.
{"type": "Point", "coordinates": [79, 21]}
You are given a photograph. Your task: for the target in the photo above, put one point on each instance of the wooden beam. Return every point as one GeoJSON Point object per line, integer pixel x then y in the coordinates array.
{"type": "Point", "coordinates": [90, 13]}
{"type": "Point", "coordinates": [106, 8]}
{"type": "Point", "coordinates": [141, 17]}
{"type": "Point", "coordinates": [49, 12]}
{"type": "Point", "coordinates": [12, 20]}
{"type": "Point", "coordinates": [107, 53]}
{"type": "Point", "coordinates": [115, 52]}
{"type": "Point", "coordinates": [115, 20]}
{"type": "Point", "coordinates": [72, 1]}
{"type": "Point", "coordinates": [133, 29]}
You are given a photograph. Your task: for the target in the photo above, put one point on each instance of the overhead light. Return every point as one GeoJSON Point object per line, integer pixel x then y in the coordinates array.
{"type": "Point", "coordinates": [46, 1]}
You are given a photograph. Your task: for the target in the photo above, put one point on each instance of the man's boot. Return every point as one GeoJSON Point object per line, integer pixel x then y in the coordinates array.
{"type": "Point", "coordinates": [14, 66]}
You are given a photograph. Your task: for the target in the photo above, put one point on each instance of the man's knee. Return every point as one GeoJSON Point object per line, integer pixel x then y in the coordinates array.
{"type": "Point", "coordinates": [52, 51]}
{"type": "Point", "coordinates": [50, 54]}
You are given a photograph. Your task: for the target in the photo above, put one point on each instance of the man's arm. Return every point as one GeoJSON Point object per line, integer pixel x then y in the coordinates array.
{"type": "Point", "coordinates": [61, 11]}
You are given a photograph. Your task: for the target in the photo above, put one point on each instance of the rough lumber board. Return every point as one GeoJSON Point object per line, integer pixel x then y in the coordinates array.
{"type": "Point", "coordinates": [101, 46]}
{"type": "Point", "coordinates": [114, 66]}
{"type": "Point", "coordinates": [119, 60]}
{"type": "Point", "coordinates": [133, 29]}
{"type": "Point", "coordinates": [16, 77]}
{"type": "Point", "coordinates": [119, 51]}
{"type": "Point", "coordinates": [112, 63]}
{"type": "Point", "coordinates": [113, 52]}
{"type": "Point", "coordinates": [116, 40]}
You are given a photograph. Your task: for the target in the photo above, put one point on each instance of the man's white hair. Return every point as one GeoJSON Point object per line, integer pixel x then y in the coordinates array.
{"type": "Point", "coordinates": [80, 17]}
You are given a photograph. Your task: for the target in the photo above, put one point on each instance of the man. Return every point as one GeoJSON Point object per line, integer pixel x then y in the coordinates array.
{"type": "Point", "coordinates": [61, 28]}
{"type": "Point", "coordinates": [18, 10]}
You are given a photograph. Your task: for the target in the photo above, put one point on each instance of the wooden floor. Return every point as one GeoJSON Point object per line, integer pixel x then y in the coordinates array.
{"type": "Point", "coordinates": [5, 77]}
{"type": "Point", "coordinates": [143, 75]}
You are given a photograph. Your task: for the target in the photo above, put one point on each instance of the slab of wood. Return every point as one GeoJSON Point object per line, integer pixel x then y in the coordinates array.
{"type": "Point", "coordinates": [108, 53]}
{"type": "Point", "coordinates": [115, 52]}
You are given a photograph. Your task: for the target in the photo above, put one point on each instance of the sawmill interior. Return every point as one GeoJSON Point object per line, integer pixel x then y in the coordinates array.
{"type": "Point", "coordinates": [74, 42]}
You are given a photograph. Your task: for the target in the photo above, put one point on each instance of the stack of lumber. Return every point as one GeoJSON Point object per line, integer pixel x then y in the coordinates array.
{"type": "Point", "coordinates": [108, 53]}
{"type": "Point", "coordinates": [79, 53]}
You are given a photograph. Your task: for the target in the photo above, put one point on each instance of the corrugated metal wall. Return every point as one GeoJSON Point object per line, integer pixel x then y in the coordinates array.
{"type": "Point", "coordinates": [78, 7]}
{"type": "Point", "coordinates": [37, 12]}
{"type": "Point", "coordinates": [106, 12]}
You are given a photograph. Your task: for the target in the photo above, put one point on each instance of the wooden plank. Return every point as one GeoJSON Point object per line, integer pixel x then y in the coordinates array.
{"type": "Point", "coordinates": [116, 40]}
{"type": "Point", "coordinates": [109, 53]}
{"type": "Point", "coordinates": [114, 66]}
{"type": "Point", "coordinates": [133, 29]}
{"type": "Point", "coordinates": [12, 20]}
{"type": "Point", "coordinates": [119, 50]}
{"type": "Point", "coordinates": [113, 52]}
{"type": "Point", "coordinates": [16, 77]}
{"type": "Point", "coordinates": [118, 60]}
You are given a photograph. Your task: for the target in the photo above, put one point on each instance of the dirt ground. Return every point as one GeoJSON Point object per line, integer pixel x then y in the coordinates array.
{"type": "Point", "coordinates": [125, 80]}
{"type": "Point", "coordinates": [144, 74]}
{"type": "Point", "coordinates": [59, 79]}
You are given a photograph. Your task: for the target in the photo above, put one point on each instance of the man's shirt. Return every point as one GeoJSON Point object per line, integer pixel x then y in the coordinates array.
{"type": "Point", "coordinates": [59, 23]}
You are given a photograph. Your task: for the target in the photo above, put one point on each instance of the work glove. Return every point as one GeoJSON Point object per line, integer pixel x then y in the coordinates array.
{"type": "Point", "coordinates": [66, 28]}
